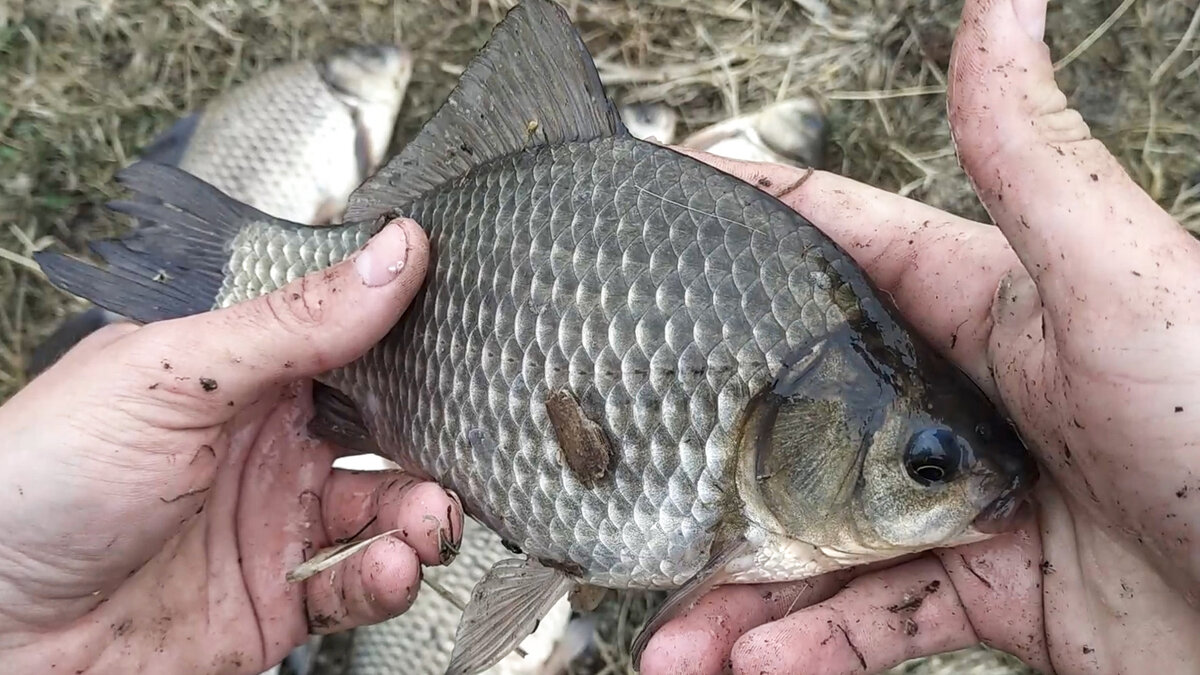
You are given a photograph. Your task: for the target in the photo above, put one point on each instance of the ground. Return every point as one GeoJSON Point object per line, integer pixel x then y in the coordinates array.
{"type": "Point", "coordinates": [85, 83]}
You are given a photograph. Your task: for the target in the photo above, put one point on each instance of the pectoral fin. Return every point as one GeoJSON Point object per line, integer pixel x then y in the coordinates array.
{"type": "Point", "coordinates": [336, 419]}
{"type": "Point", "coordinates": [505, 608]}
{"type": "Point", "coordinates": [710, 576]}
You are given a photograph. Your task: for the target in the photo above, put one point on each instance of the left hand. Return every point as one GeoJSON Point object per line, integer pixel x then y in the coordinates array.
{"type": "Point", "coordinates": [158, 483]}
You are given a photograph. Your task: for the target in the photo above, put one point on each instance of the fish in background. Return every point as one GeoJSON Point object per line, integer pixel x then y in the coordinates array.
{"type": "Point", "coordinates": [293, 141]}
{"type": "Point", "coordinates": [791, 131]}
{"type": "Point", "coordinates": [639, 371]}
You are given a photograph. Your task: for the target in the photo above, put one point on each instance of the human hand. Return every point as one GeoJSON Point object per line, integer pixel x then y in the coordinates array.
{"type": "Point", "coordinates": [158, 483]}
{"type": "Point", "coordinates": [1080, 315]}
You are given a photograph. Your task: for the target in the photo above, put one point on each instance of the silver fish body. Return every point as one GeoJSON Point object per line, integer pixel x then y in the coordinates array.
{"type": "Point", "coordinates": [664, 294]}
{"type": "Point", "coordinates": [661, 293]}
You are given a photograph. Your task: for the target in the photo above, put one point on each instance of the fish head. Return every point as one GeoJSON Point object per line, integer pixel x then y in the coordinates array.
{"type": "Point", "coordinates": [795, 128]}
{"type": "Point", "coordinates": [866, 453]}
{"type": "Point", "coordinates": [369, 74]}
{"type": "Point", "coordinates": [650, 120]}
{"type": "Point", "coordinates": [371, 80]}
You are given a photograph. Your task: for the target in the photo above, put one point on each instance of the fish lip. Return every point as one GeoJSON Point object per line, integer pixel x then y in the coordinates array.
{"type": "Point", "coordinates": [1008, 508]}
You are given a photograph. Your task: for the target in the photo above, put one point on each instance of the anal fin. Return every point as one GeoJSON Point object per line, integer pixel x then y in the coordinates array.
{"type": "Point", "coordinates": [713, 574]}
{"type": "Point", "coordinates": [505, 607]}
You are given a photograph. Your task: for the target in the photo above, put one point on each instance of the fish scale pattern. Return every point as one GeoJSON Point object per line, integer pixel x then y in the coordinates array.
{"type": "Point", "coordinates": [245, 147]}
{"type": "Point", "coordinates": [267, 255]}
{"type": "Point", "coordinates": [662, 293]}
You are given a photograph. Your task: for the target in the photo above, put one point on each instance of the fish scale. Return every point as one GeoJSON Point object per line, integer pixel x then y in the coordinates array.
{"type": "Point", "coordinates": [651, 311]}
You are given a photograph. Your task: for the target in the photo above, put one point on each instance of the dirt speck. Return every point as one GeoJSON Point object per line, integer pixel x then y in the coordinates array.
{"type": "Point", "coordinates": [189, 493]}
{"type": "Point", "coordinates": [912, 600]}
{"type": "Point", "coordinates": [208, 384]}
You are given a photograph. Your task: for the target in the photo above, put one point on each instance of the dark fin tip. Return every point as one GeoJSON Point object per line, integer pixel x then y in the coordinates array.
{"type": "Point", "coordinates": [171, 265]}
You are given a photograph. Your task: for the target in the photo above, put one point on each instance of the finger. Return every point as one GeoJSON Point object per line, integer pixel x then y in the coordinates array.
{"type": "Point", "coordinates": [906, 248]}
{"type": "Point", "coordinates": [373, 585]}
{"type": "Point", "coordinates": [358, 505]}
{"type": "Point", "coordinates": [876, 622]}
{"type": "Point", "coordinates": [700, 639]}
{"type": "Point", "coordinates": [1000, 584]}
{"type": "Point", "coordinates": [309, 326]}
{"type": "Point", "coordinates": [1081, 225]}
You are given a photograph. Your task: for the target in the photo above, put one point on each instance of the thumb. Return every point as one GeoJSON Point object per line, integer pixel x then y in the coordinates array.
{"type": "Point", "coordinates": [225, 358]}
{"type": "Point", "coordinates": [1073, 215]}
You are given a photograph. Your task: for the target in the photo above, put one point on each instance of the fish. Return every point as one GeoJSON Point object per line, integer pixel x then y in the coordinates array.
{"type": "Point", "coordinates": [793, 131]}
{"type": "Point", "coordinates": [420, 641]}
{"type": "Point", "coordinates": [650, 121]}
{"type": "Point", "coordinates": [639, 371]}
{"type": "Point", "coordinates": [293, 141]}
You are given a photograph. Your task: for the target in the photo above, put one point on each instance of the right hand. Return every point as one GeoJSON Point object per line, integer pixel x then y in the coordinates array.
{"type": "Point", "coordinates": [1080, 314]}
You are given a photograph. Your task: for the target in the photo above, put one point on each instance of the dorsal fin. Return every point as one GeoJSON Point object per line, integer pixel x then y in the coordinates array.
{"type": "Point", "coordinates": [533, 83]}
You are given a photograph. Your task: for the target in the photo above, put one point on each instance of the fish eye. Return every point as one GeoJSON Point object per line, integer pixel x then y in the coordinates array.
{"type": "Point", "coordinates": [933, 456]}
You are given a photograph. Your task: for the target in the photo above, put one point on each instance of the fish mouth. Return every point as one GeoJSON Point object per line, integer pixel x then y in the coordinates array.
{"type": "Point", "coordinates": [1010, 506]}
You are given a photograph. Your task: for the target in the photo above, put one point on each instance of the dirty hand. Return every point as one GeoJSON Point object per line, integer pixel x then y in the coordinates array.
{"type": "Point", "coordinates": [157, 484]}
{"type": "Point", "coordinates": [1080, 314]}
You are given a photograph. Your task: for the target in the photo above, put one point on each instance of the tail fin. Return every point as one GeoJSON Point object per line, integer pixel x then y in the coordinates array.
{"type": "Point", "coordinates": [173, 265]}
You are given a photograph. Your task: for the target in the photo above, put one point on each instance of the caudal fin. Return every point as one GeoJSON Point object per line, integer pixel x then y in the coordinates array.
{"type": "Point", "coordinates": [173, 265]}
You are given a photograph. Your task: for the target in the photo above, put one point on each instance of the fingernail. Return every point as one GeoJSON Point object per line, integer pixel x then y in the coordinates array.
{"type": "Point", "coordinates": [1016, 297]}
{"type": "Point", "coordinates": [454, 495]}
{"type": "Point", "coordinates": [383, 258]}
{"type": "Point", "coordinates": [1031, 14]}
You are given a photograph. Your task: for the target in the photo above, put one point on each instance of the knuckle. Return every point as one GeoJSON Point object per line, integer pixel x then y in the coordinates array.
{"type": "Point", "coordinates": [297, 307]}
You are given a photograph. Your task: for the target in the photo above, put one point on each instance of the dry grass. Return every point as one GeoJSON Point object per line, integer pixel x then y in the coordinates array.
{"type": "Point", "coordinates": [84, 84]}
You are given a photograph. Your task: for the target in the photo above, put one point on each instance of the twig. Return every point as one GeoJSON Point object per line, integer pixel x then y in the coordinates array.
{"type": "Point", "coordinates": [880, 95]}
{"type": "Point", "coordinates": [18, 259]}
{"type": "Point", "coordinates": [1096, 35]}
{"type": "Point", "coordinates": [1179, 49]}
